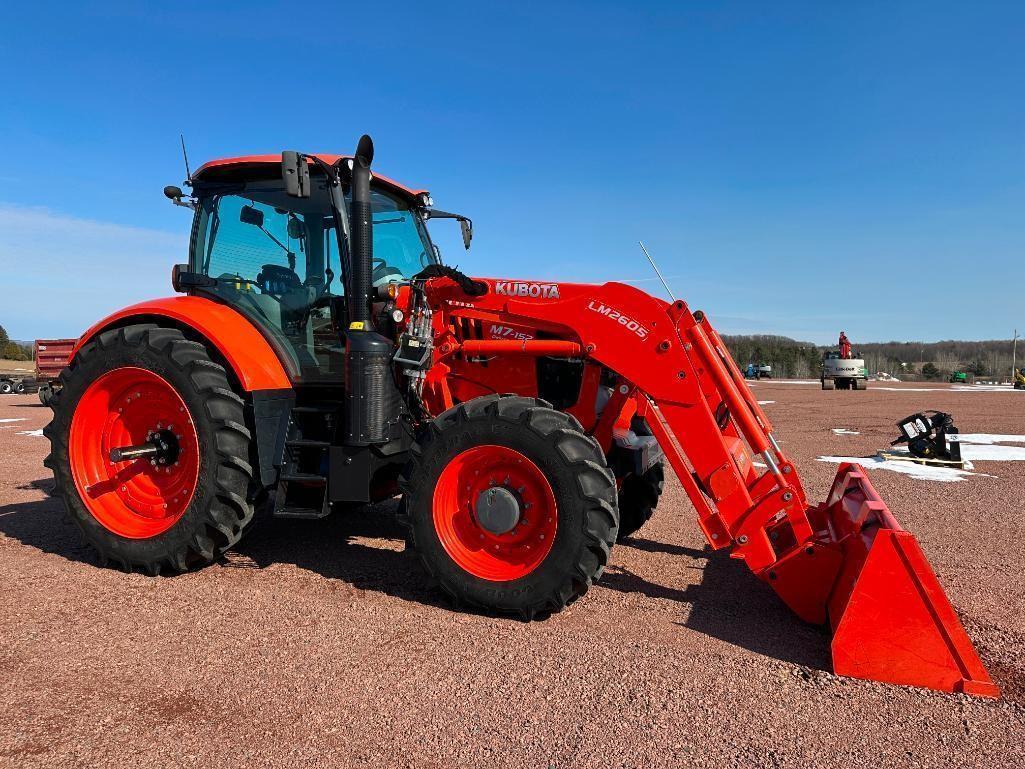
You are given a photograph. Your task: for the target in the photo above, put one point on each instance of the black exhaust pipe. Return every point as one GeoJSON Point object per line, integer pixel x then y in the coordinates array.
{"type": "Point", "coordinates": [372, 399]}
{"type": "Point", "coordinates": [361, 241]}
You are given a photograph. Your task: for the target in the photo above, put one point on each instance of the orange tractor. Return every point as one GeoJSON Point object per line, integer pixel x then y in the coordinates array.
{"type": "Point", "coordinates": [322, 353]}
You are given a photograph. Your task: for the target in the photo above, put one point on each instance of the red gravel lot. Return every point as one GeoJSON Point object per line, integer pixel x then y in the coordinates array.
{"type": "Point", "coordinates": [318, 643]}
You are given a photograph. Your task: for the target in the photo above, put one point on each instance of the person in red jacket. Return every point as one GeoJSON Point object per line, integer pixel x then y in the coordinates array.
{"type": "Point", "coordinates": [845, 346]}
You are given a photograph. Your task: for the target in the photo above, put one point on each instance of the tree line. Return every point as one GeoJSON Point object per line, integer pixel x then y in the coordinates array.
{"type": "Point", "coordinates": [911, 361]}
{"type": "Point", "coordinates": [11, 350]}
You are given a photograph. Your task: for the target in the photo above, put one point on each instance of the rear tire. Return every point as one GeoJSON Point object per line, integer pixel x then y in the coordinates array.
{"type": "Point", "coordinates": [828, 384]}
{"type": "Point", "coordinates": [568, 519]}
{"type": "Point", "coordinates": [638, 497]}
{"type": "Point", "coordinates": [19, 388]}
{"type": "Point", "coordinates": [6, 387]}
{"type": "Point", "coordinates": [141, 518]}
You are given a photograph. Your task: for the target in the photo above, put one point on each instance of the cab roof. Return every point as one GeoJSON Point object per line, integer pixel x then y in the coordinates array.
{"type": "Point", "coordinates": [235, 169]}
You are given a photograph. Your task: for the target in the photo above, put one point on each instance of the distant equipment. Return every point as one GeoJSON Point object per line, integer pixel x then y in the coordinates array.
{"type": "Point", "coordinates": [843, 373]}
{"type": "Point", "coordinates": [51, 356]}
{"type": "Point", "coordinates": [758, 371]}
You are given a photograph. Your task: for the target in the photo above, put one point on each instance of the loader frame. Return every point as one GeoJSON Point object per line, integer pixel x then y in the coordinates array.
{"type": "Point", "coordinates": [668, 365]}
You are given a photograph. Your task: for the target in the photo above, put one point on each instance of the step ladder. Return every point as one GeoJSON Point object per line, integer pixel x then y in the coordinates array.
{"type": "Point", "coordinates": [302, 481]}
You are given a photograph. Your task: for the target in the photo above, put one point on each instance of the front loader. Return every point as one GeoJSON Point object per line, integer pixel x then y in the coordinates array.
{"type": "Point", "coordinates": [322, 354]}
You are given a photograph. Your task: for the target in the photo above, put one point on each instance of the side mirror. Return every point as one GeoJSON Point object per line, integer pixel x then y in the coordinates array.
{"type": "Point", "coordinates": [466, 226]}
{"type": "Point", "coordinates": [296, 173]}
{"type": "Point", "coordinates": [250, 215]}
{"type": "Point", "coordinates": [175, 195]}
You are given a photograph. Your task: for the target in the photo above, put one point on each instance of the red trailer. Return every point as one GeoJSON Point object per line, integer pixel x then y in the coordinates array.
{"type": "Point", "coordinates": [51, 356]}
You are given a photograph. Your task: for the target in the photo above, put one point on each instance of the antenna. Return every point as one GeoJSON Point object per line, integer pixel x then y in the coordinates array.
{"type": "Point", "coordinates": [655, 268]}
{"type": "Point", "coordinates": [188, 172]}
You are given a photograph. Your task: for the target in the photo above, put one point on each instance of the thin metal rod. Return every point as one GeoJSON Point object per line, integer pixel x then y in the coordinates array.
{"type": "Point", "coordinates": [655, 268]}
{"type": "Point", "coordinates": [773, 467]}
{"type": "Point", "coordinates": [188, 171]}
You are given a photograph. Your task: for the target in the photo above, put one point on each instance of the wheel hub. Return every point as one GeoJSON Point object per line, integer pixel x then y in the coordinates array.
{"type": "Point", "coordinates": [497, 510]}
{"type": "Point", "coordinates": [161, 448]}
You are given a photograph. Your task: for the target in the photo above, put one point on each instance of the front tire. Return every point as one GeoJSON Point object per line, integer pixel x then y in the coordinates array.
{"type": "Point", "coordinates": [552, 484]}
{"type": "Point", "coordinates": [129, 384]}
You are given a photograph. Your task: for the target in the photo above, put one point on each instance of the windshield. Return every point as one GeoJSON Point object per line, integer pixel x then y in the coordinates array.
{"type": "Point", "coordinates": [402, 247]}
{"type": "Point", "coordinates": [275, 258]}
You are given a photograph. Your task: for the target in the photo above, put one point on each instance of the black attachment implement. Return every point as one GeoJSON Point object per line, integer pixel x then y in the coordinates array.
{"type": "Point", "coordinates": [928, 436]}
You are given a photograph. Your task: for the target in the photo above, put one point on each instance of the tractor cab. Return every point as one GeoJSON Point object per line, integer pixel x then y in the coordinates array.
{"type": "Point", "coordinates": [275, 257]}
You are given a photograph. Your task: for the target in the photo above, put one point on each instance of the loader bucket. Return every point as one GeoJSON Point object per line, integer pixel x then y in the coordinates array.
{"type": "Point", "coordinates": [891, 620]}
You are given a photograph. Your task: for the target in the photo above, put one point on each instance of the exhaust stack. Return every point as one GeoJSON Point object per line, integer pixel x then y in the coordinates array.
{"type": "Point", "coordinates": [372, 400]}
{"type": "Point", "coordinates": [361, 241]}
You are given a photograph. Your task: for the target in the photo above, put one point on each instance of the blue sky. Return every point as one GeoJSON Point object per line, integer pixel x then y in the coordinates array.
{"type": "Point", "coordinates": [796, 168]}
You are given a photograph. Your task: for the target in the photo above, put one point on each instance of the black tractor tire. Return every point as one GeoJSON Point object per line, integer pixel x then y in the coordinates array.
{"type": "Point", "coordinates": [828, 384]}
{"type": "Point", "coordinates": [638, 497]}
{"type": "Point", "coordinates": [584, 492]}
{"type": "Point", "coordinates": [6, 387]}
{"type": "Point", "coordinates": [220, 510]}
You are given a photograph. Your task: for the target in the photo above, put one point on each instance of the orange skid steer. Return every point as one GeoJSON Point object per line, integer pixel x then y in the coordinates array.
{"type": "Point", "coordinates": [323, 354]}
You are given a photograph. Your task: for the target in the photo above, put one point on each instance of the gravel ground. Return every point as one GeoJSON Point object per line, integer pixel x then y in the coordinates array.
{"type": "Point", "coordinates": [317, 643]}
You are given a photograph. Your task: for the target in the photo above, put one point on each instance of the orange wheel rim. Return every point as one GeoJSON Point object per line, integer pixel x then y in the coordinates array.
{"type": "Point", "coordinates": [498, 557]}
{"type": "Point", "coordinates": [144, 497]}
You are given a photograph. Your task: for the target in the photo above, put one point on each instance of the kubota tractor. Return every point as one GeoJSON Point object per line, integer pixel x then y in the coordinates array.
{"type": "Point", "coordinates": [321, 353]}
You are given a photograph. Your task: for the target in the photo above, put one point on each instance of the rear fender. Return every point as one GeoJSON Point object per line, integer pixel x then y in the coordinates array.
{"type": "Point", "coordinates": [252, 359]}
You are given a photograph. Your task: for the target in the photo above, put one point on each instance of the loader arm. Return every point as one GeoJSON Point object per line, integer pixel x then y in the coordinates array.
{"type": "Point", "coordinates": [824, 561]}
